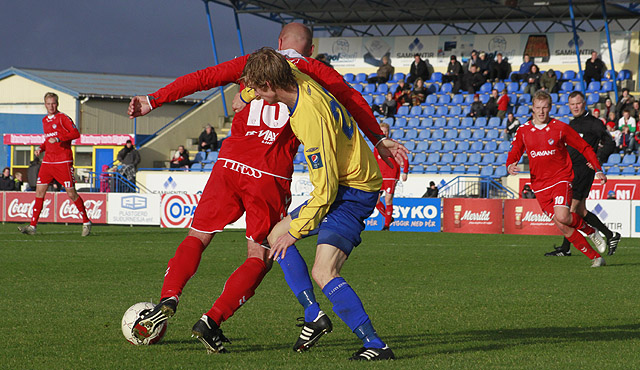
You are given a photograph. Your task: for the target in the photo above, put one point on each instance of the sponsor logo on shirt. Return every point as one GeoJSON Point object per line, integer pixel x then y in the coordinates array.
{"type": "Point", "coordinates": [310, 150]}
{"type": "Point", "coordinates": [542, 153]}
{"type": "Point", "coordinates": [551, 141]}
{"type": "Point", "coordinates": [316, 160]}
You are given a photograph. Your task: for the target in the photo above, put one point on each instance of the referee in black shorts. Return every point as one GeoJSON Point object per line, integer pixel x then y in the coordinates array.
{"type": "Point", "coordinates": [594, 132]}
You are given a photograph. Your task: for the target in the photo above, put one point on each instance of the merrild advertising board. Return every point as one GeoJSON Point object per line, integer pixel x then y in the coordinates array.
{"type": "Point", "coordinates": [615, 214]}
{"type": "Point", "coordinates": [468, 215]}
{"type": "Point", "coordinates": [133, 209]}
{"type": "Point", "coordinates": [421, 214]}
{"type": "Point", "coordinates": [525, 217]}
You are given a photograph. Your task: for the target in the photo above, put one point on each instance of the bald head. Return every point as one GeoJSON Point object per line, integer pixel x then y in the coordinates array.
{"type": "Point", "coordinates": [298, 37]}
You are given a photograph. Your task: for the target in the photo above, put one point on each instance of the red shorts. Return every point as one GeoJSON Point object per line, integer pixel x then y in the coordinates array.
{"type": "Point", "coordinates": [61, 172]}
{"type": "Point", "coordinates": [229, 193]}
{"type": "Point", "coordinates": [389, 186]}
{"type": "Point", "coordinates": [557, 195]}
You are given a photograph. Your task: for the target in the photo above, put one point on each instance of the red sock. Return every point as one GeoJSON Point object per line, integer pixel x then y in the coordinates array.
{"type": "Point", "coordinates": [240, 286]}
{"type": "Point", "coordinates": [83, 212]}
{"type": "Point", "coordinates": [583, 246]}
{"type": "Point", "coordinates": [380, 206]}
{"type": "Point", "coordinates": [182, 266]}
{"type": "Point", "coordinates": [37, 208]}
{"type": "Point", "coordinates": [578, 223]}
{"type": "Point", "coordinates": [388, 214]}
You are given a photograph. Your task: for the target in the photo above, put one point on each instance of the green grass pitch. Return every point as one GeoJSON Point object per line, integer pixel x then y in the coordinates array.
{"type": "Point", "coordinates": [448, 301]}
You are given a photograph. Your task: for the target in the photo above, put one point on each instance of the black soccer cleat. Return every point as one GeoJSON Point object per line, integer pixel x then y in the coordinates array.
{"type": "Point", "coordinates": [373, 354]}
{"type": "Point", "coordinates": [312, 331]}
{"type": "Point", "coordinates": [613, 243]}
{"type": "Point", "coordinates": [558, 252]}
{"type": "Point", "coordinates": [150, 320]}
{"type": "Point", "coordinates": [209, 333]}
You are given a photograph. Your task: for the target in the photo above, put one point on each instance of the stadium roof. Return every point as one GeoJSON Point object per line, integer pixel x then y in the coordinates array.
{"type": "Point", "coordinates": [414, 17]}
{"type": "Point", "coordinates": [98, 85]}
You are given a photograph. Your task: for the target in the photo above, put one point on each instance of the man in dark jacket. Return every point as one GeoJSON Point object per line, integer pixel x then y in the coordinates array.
{"type": "Point", "coordinates": [594, 68]}
{"type": "Point", "coordinates": [472, 81]}
{"type": "Point", "coordinates": [418, 69]}
{"type": "Point", "coordinates": [501, 68]}
{"type": "Point", "coordinates": [7, 183]}
{"type": "Point", "coordinates": [454, 71]}
{"type": "Point", "coordinates": [208, 139]}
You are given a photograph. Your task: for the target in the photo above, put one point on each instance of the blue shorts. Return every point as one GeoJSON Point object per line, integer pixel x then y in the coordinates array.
{"type": "Point", "coordinates": [344, 222]}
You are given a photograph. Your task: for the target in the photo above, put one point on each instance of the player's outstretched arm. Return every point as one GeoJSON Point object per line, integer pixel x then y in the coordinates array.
{"type": "Point", "coordinates": [389, 148]}
{"type": "Point", "coordinates": [138, 106]}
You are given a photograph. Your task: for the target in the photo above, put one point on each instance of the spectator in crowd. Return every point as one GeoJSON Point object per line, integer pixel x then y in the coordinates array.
{"type": "Point", "coordinates": [612, 118]}
{"type": "Point", "coordinates": [180, 158]}
{"type": "Point", "coordinates": [384, 72]}
{"type": "Point", "coordinates": [503, 104]}
{"type": "Point", "coordinates": [454, 72]}
{"type": "Point", "coordinates": [501, 69]}
{"type": "Point", "coordinates": [594, 68]}
{"type": "Point", "coordinates": [549, 81]}
{"type": "Point", "coordinates": [512, 125]}
{"type": "Point", "coordinates": [18, 180]}
{"type": "Point", "coordinates": [627, 120]}
{"type": "Point", "coordinates": [472, 81]}
{"type": "Point", "coordinates": [208, 139]}
{"type": "Point", "coordinates": [608, 107]}
{"type": "Point", "coordinates": [635, 110]}
{"type": "Point", "coordinates": [635, 142]}
{"type": "Point", "coordinates": [626, 141]}
{"type": "Point", "coordinates": [432, 191]}
{"type": "Point", "coordinates": [477, 108]}
{"type": "Point", "coordinates": [32, 173]}
{"type": "Point", "coordinates": [611, 194]}
{"type": "Point", "coordinates": [323, 58]}
{"type": "Point", "coordinates": [596, 114]}
{"type": "Point", "coordinates": [419, 93]}
{"type": "Point", "coordinates": [533, 80]}
{"type": "Point", "coordinates": [7, 183]}
{"type": "Point", "coordinates": [129, 159]}
{"type": "Point", "coordinates": [524, 70]}
{"type": "Point", "coordinates": [614, 132]}
{"type": "Point", "coordinates": [624, 101]}
{"type": "Point", "coordinates": [399, 89]}
{"type": "Point", "coordinates": [404, 97]}
{"type": "Point", "coordinates": [527, 193]}
{"type": "Point", "coordinates": [106, 179]}
{"type": "Point", "coordinates": [491, 108]}
{"type": "Point", "coordinates": [388, 108]}
{"type": "Point", "coordinates": [484, 65]}
{"type": "Point", "coordinates": [418, 70]}
{"type": "Point", "coordinates": [473, 61]}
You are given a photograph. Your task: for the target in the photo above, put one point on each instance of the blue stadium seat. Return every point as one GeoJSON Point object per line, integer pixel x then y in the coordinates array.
{"type": "Point", "coordinates": [462, 147]}
{"type": "Point", "coordinates": [486, 171]}
{"type": "Point", "coordinates": [629, 159]}
{"type": "Point", "coordinates": [444, 100]}
{"type": "Point", "coordinates": [357, 87]}
{"type": "Point", "coordinates": [486, 87]}
{"type": "Point", "coordinates": [431, 99]}
{"type": "Point", "coordinates": [207, 167]}
{"type": "Point", "coordinates": [464, 135]}
{"type": "Point", "coordinates": [437, 134]}
{"type": "Point", "coordinates": [370, 88]}
{"type": "Point", "coordinates": [436, 146]}
{"type": "Point", "coordinates": [403, 110]}
{"type": "Point", "coordinates": [420, 158]}
{"type": "Point", "coordinates": [564, 98]}
{"type": "Point", "coordinates": [414, 122]}
{"type": "Point", "coordinates": [417, 169]}
{"type": "Point", "coordinates": [368, 98]}
{"type": "Point", "coordinates": [629, 171]}
{"type": "Point", "coordinates": [474, 158]}
{"type": "Point", "coordinates": [593, 98]}
{"type": "Point", "coordinates": [553, 110]}
{"type": "Point", "coordinates": [455, 111]}
{"type": "Point", "coordinates": [469, 99]}
{"type": "Point", "coordinates": [196, 166]}
{"type": "Point", "coordinates": [446, 88]}
{"type": "Point", "coordinates": [522, 110]}
{"type": "Point", "coordinates": [445, 169]}
{"type": "Point", "coordinates": [501, 159]}
{"type": "Point", "coordinates": [512, 87]}
{"type": "Point", "coordinates": [433, 88]}
{"type": "Point", "coordinates": [399, 76]}
{"type": "Point", "coordinates": [484, 98]}
{"type": "Point", "coordinates": [453, 121]}
{"type": "Point", "coordinates": [566, 86]}
{"type": "Point", "coordinates": [378, 99]}
{"type": "Point", "coordinates": [478, 134]}
{"type": "Point", "coordinates": [554, 97]}
{"type": "Point", "coordinates": [473, 170]}
{"type": "Point", "coordinates": [451, 134]}
{"type": "Point", "coordinates": [524, 99]}
{"type": "Point", "coordinates": [388, 121]}
{"type": "Point", "coordinates": [494, 122]}
{"type": "Point", "coordinates": [458, 99]}
{"type": "Point", "coordinates": [522, 86]}
{"type": "Point", "coordinates": [436, 76]}
{"type": "Point", "coordinates": [422, 146]}
{"type": "Point", "coordinates": [449, 146]}
{"type": "Point", "coordinates": [298, 168]}
{"type": "Point", "coordinates": [400, 122]}
{"type": "Point", "coordinates": [614, 171]}
{"type": "Point", "coordinates": [476, 147]}
{"type": "Point", "coordinates": [433, 158]}
{"type": "Point", "coordinates": [607, 86]}
{"type": "Point", "coordinates": [459, 169]}
{"type": "Point", "coordinates": [349, 77]}
{"type": "Point", "coordinates": [490, 147]}
{"type": "Point", "coordinates": [393, 87]}
{"type": "Point", "coordinates": [431, 169]}
{"type": "Point", "coordinates": [411, 134]}
{"type": "Point", "coordinates": [504, 146]}
{"type": "Point", "coordinates": [608, 75]}
{"type": "Point", "coordinates": [499, 86]}
{"type": "Point", "coordinates": [466, 110]}
{"type": "Point", "coordinates": [461, 158]}
{"type": "Point", "coordinates": [361, 77]}
{"type": "Point", "coordinates": [564, 110]}
{"type": "Point", "coordinates": [415, 111]}
{"type": "Point", "coordinates": [480, 122]}
{"type": "Point", "coordinates": [493, 134]}
{"type": "Point", "coordinates": [212, 156]}
{"type": "Point", "coordinates": [500, 172]}
{"type": "Point", "coordinates": [569, 75]}
{"type": "Point", "coordinates": [299, 158]}
{"type": "Point", "coordinates": [429, 110]}
{"type": "Point", "coordinates": [488, 158]}
{"type": "Point", "coordinates": [397, 134]}
{"type": "Point", "coordinates": [446, 158]}
{"type": "Point", "coordinates": [624, 74]}
{"type": "Point", "coordinates": [373, 74]}
{"type": "Point", "coordinates": [426, 122]}
{"type": "Point", "coordinates": [200, 156]}
{"type": "Point", "coordinates": [382, 89]}
{"type": "Point", "coordinates": [411, 145]}
{"type": "Point", "coordinates": [593, 86]}
{"type": "Point", "coordinates": [467, 122]}
{"type": "Point", "coordinates": [440, 122]}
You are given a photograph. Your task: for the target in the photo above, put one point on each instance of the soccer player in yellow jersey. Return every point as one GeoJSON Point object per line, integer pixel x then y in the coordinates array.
{"type": "Point", "coordinates": [346, 180]}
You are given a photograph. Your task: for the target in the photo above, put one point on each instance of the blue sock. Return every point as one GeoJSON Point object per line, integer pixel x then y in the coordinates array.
{"type": "Point", "coordinates": [347, 305]}
{"type": "Point", "coordinates": [296, 275]}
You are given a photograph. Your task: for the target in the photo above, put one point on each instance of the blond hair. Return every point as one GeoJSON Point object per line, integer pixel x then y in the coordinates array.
{"type": "Point", "coordinates": [385, 125]}
{"type": "Point", "coordinates": [266, 68]}
{"type": "Point", "coordinates": [50, 95]}
{"type": "Point", "coordinates": [541, 95]}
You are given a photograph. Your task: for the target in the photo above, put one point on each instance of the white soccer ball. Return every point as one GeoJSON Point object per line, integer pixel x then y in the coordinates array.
{"type": "Point", "coordinates": [130, 318]}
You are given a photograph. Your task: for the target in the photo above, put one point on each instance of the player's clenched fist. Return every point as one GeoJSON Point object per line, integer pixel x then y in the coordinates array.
{"type": "Point", "coordinates": [138, 106]}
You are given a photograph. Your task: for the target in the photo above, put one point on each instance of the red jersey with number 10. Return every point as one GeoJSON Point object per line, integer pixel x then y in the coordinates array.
{"type": "Point", "coordinates": [61, 127]}
{"type": "Point", "coordinates": [549, 160]}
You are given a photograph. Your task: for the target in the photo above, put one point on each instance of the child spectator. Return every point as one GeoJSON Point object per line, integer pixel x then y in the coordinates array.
{"type": "Point", "coordinates": [180, 158]}
{"type": "Point", "coordinates": [388, 108]}
{"type": "Point", "coordinates": [419, 93]}
{"type": "Point", "coordinates": [477, 108]}
{"type": "Point", "coordinates": [627, 120]}
{"type": "Point", "coordinates": [503, 104]}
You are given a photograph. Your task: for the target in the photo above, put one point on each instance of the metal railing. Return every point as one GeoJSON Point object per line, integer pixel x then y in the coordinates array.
{"type": "Point", "coordinates": [111, 182]}
{"type": "Point", "coordinates": [475, 187]}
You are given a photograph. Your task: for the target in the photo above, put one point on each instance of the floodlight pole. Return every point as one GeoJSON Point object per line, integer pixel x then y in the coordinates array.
{"type": "Point", "coordinates": [613, 68]}
{"type": "Point", "coordinates": [575, 41]}
{"type": "Point", "coordinates": [235, 15]}
{"type": "Point", "coordinates": [215, 54]}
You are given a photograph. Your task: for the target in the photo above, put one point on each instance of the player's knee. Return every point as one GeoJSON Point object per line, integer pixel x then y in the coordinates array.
{"type": "Point", "coordinates": [322, 275]}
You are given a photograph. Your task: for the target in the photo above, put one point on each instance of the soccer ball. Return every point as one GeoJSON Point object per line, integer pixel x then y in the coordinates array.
{"type": "Point", "coordinates": [130, 318]}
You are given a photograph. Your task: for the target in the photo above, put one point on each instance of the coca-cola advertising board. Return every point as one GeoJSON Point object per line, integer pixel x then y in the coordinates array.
{"type": "Point", "coordinates": [94, 203]}
{"type": "Point", "coordinates": [2, 209]}
{"type": "Point", "coordinates": [621, 189]}
{"type": "Point", "coordinates": [525, 217]}
{"type": "Point", "coordinates": [19, 207]}
{"type": "Point", "coordinates": [466, 215]}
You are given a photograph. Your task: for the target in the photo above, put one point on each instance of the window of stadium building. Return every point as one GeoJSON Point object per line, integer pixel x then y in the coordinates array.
{"type": "Point", "coordinates": [21, 155]}
{"type": "Point", "coordinates": [83, 156]}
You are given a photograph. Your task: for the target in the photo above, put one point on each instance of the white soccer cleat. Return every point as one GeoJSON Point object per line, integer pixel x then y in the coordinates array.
{"type": "Point", "coordinates": [598, 241]}
{"type": "Point", "coordinates": [86, 229]}
{"type": "Point", "coordinates": [598, 262]}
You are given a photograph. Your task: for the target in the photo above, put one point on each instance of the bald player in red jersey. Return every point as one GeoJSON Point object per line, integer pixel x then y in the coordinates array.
{"type": "Point", "coordinates": [545, 140]}
{"type": "Point", "coordinates": [252, 175]}
{"type": "Point", "coordinates": [59, 131]}
{"type": "Point", "coordinates": [390, 177]}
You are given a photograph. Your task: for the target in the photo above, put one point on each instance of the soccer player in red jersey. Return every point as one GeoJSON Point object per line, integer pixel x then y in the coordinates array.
{"type": "Point", "coordinates": [57, 164]}
{"type": "Point", "coordinates": [252, 175]}
{"type": "Point", "coordinates": [545, 140]}
{"type": "Point", "coordinates": [390, 176]}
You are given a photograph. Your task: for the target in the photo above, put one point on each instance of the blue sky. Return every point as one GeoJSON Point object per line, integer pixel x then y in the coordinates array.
{"type": "Point", "coordinates": [142, 37]}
